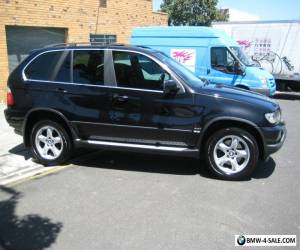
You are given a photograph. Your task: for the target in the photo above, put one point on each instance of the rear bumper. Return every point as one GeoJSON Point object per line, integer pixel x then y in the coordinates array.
{"type": "Point", "coordinates": [274, 138]}
{"type": "Point", "coordinates": [15, 119]}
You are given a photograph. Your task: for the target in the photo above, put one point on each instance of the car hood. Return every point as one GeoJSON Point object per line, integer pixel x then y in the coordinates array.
{"type": "Point", "coordinates": [256, 71]}
{"type": "Point", "coordinates": [237, 94]}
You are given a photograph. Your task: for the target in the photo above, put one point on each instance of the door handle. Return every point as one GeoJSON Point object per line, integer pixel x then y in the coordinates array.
{"type": "Point", "coordinates": [120, 98]}
{"type": "Point", "coordinates": [61, 90]}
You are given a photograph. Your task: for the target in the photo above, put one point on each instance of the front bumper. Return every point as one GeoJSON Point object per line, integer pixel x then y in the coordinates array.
{"type": "Point", "coordinates": [274, 138]}
{"type": "Point", "coordinates": [265, 91]}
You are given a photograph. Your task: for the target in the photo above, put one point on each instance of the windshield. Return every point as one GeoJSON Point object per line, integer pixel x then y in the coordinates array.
{"type": "Point", "coordinates": [239, 53]}
{"type": "Point", "coordinates": [188, 76]}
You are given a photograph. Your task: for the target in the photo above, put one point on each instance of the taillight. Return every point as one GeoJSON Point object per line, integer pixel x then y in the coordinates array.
{"type": "Point", "coordinates": [9, 98]}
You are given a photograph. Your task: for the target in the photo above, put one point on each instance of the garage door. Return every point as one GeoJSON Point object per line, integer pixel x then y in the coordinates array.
{"type": "Point", "coordinates": [21, 40]}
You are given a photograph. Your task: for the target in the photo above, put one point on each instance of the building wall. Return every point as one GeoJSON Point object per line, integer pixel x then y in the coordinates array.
{"type": "Point", "coordinates": [80, 17]}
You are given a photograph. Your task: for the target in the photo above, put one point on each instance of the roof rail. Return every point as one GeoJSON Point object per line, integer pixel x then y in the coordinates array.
{"type": "Point", "coordinates": [82, 43]}
{"type": "Point", "coordinates": [142, 46]}
{"type": "Point", "coordinates": [117, 44]}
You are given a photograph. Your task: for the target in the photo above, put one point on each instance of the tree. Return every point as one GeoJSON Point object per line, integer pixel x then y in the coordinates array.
{"type": "Point", "coordinates": [193, 12]}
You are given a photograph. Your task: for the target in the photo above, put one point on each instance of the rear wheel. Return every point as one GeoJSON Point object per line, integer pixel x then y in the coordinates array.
{"type": "Point", "coordinates": [231, 154]}
{"type": "Point", "coordinates": [50, 143]}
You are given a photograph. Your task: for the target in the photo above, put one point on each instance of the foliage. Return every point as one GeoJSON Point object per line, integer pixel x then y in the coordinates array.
{"type": "Point", "coordinates": [193, 12]}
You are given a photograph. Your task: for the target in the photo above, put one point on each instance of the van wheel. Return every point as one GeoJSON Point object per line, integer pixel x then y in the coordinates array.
{"type": "Point", "coordinates": [231, 154]}
{"type": "Point", "coordinates": [50, 143]}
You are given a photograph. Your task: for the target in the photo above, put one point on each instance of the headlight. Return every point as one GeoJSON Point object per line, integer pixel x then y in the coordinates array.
{"type": "Point", "coordinates": [264, 81]}
{"type": "Point", "coordinates": [274, 117]}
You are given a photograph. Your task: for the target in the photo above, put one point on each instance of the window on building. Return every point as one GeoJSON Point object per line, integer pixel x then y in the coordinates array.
{"type": "Point", "coordinates": [222, 60]}
{"type": "Point", "coordinates": [138, 71]}
{"type": "Point", "coordinates": [103, 3]}
{"type": "Point", "coordinates": [51, 66]}
{"type": "Point", "coordinates": [103, 39]}
{"type": "Point", "coordinates": [88, 67]}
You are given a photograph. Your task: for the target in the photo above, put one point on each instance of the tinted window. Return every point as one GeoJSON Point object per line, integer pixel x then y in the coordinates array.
{"type": "Point", "coordinates": [88, 67]}
{"type": "Point", "coordinates": [222, 60]}
{"type": "Point", "coordinates": [137, 71]}
{"type": "Point", "coordinates": [51, 66]}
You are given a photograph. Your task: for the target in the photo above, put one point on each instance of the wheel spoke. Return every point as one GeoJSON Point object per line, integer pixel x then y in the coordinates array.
{"type": "Point", "coordinates": [49, 132]}
{"type": "Point", "coordinates": [55, 151]}
{"type": "Point", "coordinates": [234, 143]}
{"type": "Point", "coordinates": [241, 153]}
{"type": "Point", "coordinates": [56, 140]}
{"type": "Point", "coordinates": [42, 138]}
{"type": "Point", "coordinates": [234, 165]}
{"type": "Point", "coordinates": [223, 147]}
{"type": "Point", "coordinates": [45, 150]}
{"type": "Point", "coordinates": [222, 160]}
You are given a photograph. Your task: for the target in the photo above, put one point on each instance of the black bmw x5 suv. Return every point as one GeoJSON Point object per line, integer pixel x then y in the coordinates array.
{"type": "Point", "coordinates": [140, 100]}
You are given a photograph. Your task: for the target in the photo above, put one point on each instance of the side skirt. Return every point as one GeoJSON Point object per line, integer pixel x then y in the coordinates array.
{"type": "Point", "coordinates": [142, 148]}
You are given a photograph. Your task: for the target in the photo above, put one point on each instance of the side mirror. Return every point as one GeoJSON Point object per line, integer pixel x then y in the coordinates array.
{"type": "Point", "coordinates": [170, 88]}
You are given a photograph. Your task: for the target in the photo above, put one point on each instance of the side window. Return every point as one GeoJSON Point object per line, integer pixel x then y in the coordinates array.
{"type": "Point", "coordinates": [50, 66]}
{"type": "Point", "coordinates": [222, 60]}
{"type": "Point", "coordinates": [137, 71]}
{"type": "Point", "coordinates": [88, 67]}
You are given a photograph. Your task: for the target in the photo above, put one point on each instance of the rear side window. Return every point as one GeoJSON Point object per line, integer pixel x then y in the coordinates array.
{"type": "Point", "coordinates": [50, 66]}
{"type": "Point", "coordinates": [88, 67]}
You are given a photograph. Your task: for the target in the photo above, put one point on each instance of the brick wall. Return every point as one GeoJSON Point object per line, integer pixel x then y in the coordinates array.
{"type": "Point", "coordinates": [80, 17]}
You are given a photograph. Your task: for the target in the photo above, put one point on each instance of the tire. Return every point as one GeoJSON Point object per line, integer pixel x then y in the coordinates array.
{"type": "Point", "coordinates": [231, 154]}
{"type": "Point", "coordinates": [50, 143]}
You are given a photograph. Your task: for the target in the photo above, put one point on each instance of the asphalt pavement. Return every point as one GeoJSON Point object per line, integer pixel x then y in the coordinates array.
{"type": "Point", "coordinates": [114, 200]}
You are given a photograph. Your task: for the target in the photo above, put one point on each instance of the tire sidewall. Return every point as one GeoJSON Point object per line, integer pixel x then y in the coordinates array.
{"type": "Point", "coordinates": [253, 148]}
{"type": "Point", "coordinates": [65, 140]}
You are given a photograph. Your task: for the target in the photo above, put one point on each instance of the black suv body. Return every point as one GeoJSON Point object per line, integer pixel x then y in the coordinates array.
{"type": "Point", "coordinates": [137, 99]}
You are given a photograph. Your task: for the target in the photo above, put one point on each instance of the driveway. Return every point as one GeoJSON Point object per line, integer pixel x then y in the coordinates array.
{"type": "Point", "coordinates": [114, 200]}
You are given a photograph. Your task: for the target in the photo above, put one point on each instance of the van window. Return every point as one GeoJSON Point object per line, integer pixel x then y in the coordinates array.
{"type": "Point", "coordinates": [222, 60]}
{"type": "Point", "coordinates": [88, 67]}
{"type": "Point", "coordinates": [50, 66]}
{"type": "Point", "coordinates": [137, 71]}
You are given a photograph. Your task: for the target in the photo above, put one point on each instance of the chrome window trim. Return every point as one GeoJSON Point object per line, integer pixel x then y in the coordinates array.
{"type": "Point", "coordinates": [99, 86]}
{"type": "Point", "coordinates": [50, 51]}
{"type": "Point", "coordinates": [164, 67]}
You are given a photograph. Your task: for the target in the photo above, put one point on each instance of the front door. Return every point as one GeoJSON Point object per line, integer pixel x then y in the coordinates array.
{"type": "Point", "coordinates": [139, 111]}
{"type": "Point", "coordinates": [222, 67]}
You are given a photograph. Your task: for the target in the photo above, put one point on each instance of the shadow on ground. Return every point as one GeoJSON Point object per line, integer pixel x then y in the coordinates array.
{"type": "Point", "coordinates": [288, 96]}
{"type": "Point", "coordinates": [30, 232]}
{"type": "Point", "coordinates": [146, 162]}
{"type": "Point", "coordinates": [161, 164]}
{"type": "Point", "coordinates": [21, 150]}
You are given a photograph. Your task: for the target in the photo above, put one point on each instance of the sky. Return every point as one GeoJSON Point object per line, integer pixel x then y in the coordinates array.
{"type": "Point", "coordinates": [258, 9]}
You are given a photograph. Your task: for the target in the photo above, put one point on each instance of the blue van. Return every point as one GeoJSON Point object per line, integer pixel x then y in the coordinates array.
{"type": "Point", "coordinates": [210, 53]}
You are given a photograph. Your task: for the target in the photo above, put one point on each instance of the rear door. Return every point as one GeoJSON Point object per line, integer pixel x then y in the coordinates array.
{"type": "Point", "coordinates": [91, 92]}
{"type": "Point", "coordinates": [46, 77]}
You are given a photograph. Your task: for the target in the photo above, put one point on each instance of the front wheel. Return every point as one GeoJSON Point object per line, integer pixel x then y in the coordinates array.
{"type": "Point", "coordinates": [231, 154]}
{"type": "Point", "coordinates": [50, 143]}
